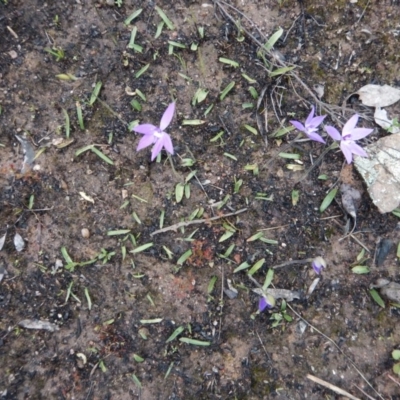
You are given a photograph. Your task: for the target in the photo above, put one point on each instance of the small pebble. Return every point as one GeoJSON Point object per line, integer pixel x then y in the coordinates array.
{"type": "Point", "coordinates": [85, 233]}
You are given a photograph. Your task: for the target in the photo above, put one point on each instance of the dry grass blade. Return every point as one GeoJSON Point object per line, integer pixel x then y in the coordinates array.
{"type": "Point", "coordinates": [332, 387]}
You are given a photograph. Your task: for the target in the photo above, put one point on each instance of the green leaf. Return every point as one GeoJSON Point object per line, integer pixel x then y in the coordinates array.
{"type": "Point", "coordinates": [377, 298]}
{"type": "Point", "coordinates": [66, 256]}
{"type": "Point", "coordinates": [360, 269]}
{"type": "Point", "coordinates": [232, 157]}
{"type": "Point", "coordinates": [253, 92]}
{"type": "Point", "coordinates": [251, 129]}
{"type": "Point", "coordinates": [199, 96]}
{"type": "Point", "coordinates": [142, 71]}
{"type": "Point", "coordinates": [290, 156]}
{"type": "Point", "coordinates": [396, 368]}
{"type": "Point", "coordinates": [193, 122]}
{"type": "Point", "coordinates": [151, 321]}
{"type": "Point", "coordinates": [137, 358]}
{"type": "Point", "coordinates": [282, 131]}
{"type": "Point", "coordinates": [102, 156]}
{"type": "Point", "coordinates": [176, 333]}
{"type": "Point", "coordinates": [134, 15]}
{"type": "Point", "coordinates": [89, 301]}
{"type": "Point", "coordinates": [136, 380]}
{"type": "Point", "coordinates": [241, 267]}
{"type": "Point", "coordinates": [211, 284]}
{"type": "Point", "coordinates": [268, 278]}
{"type": "Point", "coordinates": [273, 39]}
{"type": "Point", "coordinates": [295, 197]}
{"type": "Point", "coordinates": [118, 232]}
{"type": "Point", "coordinates": [179, 190]}
{"type": "Point", "coordinates": [280, 71]}
{"type": "Point", "coordinates": [229, 62]}
{"type": "Point", "coordinates": [67, 123]}
{"type": "Point", "coordinates": [257, 236]}
{"type": "Point", "coordinates": [160, 27]}
{"type": "Point", "coordinates": [177, 44]}
{"type": "Point", "coordinates": [163, 16]}
{"type": "Point", "coordinates": [141, 248]}
{"type": "Point", "coordinates": [194, 342]}
{"type": "Point", "coordinates": [256, 267]}
{"type": "Point", "coordinates": [226, 236]}
{"type": "Point", "coordinates": [80, 116]}
{"type": "Point", "coordinates": [328, 200]}
{"type": "Point", "coordinates": [249, 79]}
{"type": "Point", "coordinates": [396, 355]}
{"type": "Point", "coordinates": [225, 92]}
{"type": "Point", "coordinates": [95, 93]}
{"type": "Point", "coordinates": [184, 257]}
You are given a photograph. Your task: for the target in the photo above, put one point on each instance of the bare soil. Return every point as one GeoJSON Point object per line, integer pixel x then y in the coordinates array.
{"type": "Point", "coordinates": [114, 316]}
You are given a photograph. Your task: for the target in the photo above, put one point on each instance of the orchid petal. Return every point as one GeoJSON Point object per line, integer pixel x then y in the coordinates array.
{"type": "Point", "coordinates": [262, 304]}
{"type": "Point", "coordinates": [350, 125]}
{"type": "Point", "coordinates": [359, 133]}
{"type": "Point", "coordinates": [310, 116]}
{"type": "Point", "coordinates": [167, 143]}
{"type": "Point", "coordinates": [145, 129]}
{"type": "Point", "coordinates": [333, 132]}
{"type": "Point", "coordinates": [145, 141]}
{"type": "Point", "coordinates": [314, 136]}
{"type": "Point", "coordinates": [156, 149]}
{"type": "Point", "coordinates": [356, 149]}
{"type": "Point", "coordinates": [318, 264]}
{"type": "Point", "coordinates": [316, 121]}
{"type": "Point", "coordinates": [167, 116]}
{"type": "Point", "coordinates": [298, 125]}
{"type": "Point", "coordinates": [346, 150]}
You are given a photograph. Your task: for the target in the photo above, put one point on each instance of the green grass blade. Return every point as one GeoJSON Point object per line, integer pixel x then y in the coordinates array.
{"type": "Point", "coordinates": [134, 15]}
{"type": "Point", "coordinates": [142, 71]}
{"type": "Point", "coordinates": [194, 342]}
{"type": "Point", "coordinates": [328, 200]}
{"type": "Point", "coordinates": [176, 333]}
{"type": "Point", "coordinates": [67, 123]}
{"type": "Point", "coordinates": [80, 116]}
{"type": "Point", "coordinates": [141, 248]}
{"type": "Point", "coordinates": [225, 92]}
{"type": "Point", "coordinates": [95, 93]}
{"type": "Point", "coordinates": [273, 39]}
{"type": "Point", "coordinates": [377, 298]}
{"type": "Point", "coordinates": [164, 17]}
{"type": "Point", "coordinates": [102, 156]}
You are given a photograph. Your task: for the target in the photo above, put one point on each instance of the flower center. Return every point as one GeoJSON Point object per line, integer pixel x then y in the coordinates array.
{"type": "Point", "coordinates": [158, 134]}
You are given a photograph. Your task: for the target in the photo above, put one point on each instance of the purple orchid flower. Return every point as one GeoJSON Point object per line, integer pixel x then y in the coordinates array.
{"type": "Point", "coordinates": [156, 135]}
{"type": "Point", "coordinates": [266, 302]}
{"type": "Point", "coordinates": [348, 137]}
{"type": "Point", "coordinates": [318, 264]}
{"type": "Point", "coordinates": [311, 125]}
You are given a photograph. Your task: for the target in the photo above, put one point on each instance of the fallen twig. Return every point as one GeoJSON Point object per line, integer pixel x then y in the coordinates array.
{"type": "Point", "coordinates": [175, 227]}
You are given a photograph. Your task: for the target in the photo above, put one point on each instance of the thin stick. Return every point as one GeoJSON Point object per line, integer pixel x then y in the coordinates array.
{"type": "Point", "coordinates": [365, 394]}
{"type": "Point", "coordinates": [394, 380]}
{"type": "Point", "coordinates": [175, 227]}
{"type": "Point", "coordinates": [331, 387]}
{"type": "Point", "coordinates": [273, 228]}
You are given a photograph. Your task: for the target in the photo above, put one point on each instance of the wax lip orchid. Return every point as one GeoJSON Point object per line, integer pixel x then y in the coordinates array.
{"type": "Point", "coordinates": [266, 301]}
{"type": "Point", "coordinates": [348, 137]}
{"type": "Point", "coordinates": [318, 264]}
{"type": "Point", "coordinates": [310, 126]}
{"type": "Point", "coordinates": [156, 134]}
